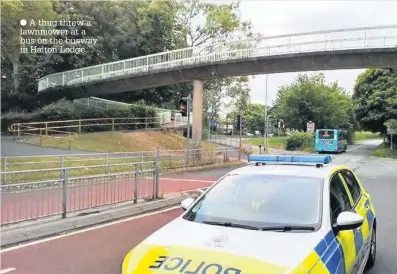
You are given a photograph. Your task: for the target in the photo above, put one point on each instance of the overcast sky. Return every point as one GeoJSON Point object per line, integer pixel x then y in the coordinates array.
{"type": "Point", "coordinates": [284, 17]}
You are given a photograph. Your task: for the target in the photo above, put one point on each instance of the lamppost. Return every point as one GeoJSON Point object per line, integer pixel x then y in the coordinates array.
{"type": "Point", "coordinates": [265, 128]}
{"type": "Point", "coordinates": [240, 133]}
{"type": "Point", "coordinates": [188, 106]}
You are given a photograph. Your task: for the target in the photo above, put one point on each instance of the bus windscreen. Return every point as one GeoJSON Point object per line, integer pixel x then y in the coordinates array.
{"type": "Point", "coordinates": [326, 134]}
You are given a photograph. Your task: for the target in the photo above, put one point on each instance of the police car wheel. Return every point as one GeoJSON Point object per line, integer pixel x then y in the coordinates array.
{"type": "Point", "coordinates": [372, 252]}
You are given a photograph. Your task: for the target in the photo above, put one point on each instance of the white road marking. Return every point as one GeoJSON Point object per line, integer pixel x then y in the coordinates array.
{"type": "Point", "coordinates": [353, 149]}
{"type": "Point", "coordinates": [7, 270]}
{"type": "Point", "coordinates": [84, 230]}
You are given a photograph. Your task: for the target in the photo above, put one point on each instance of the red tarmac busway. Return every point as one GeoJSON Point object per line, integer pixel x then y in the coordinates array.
{"type": "Point", "coordinates": [98, 250]}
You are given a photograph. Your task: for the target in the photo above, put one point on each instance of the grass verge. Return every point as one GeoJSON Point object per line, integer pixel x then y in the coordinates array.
{"type": "Point", "coordinates": [274, 142]}
{"type": "Point", "coordinates": [121, 141]}
{"type": "Point", "coordinates": [49, 168]}
{"type": "Point", "coordinates": [172, 155]}
{"type": "Point", "coordinates": [383, 151]}
{"type": "Point", "coordinates": [49, 177]}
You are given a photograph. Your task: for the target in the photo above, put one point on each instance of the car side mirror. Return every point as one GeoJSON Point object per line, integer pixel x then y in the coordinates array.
{"type": "Point", "coordinates": [348, 220]}
{"type": "Point", "coordinates": [186, 203]}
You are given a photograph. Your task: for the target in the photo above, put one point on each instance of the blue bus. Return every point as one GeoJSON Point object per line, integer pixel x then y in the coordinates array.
{"type": "Point", "coordinates": [330, 140]}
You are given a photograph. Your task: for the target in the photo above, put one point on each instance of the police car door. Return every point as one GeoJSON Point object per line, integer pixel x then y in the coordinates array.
{"type": "Point", "coordinates": [340, 202]}
{"type": "Point", "coordinates": [360, 204]}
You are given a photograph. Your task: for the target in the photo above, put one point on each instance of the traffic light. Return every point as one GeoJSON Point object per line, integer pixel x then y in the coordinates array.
{"type": "Point", "coordinates": [183, 108]}
{"type": "Point", "coordinates": [238, 122]}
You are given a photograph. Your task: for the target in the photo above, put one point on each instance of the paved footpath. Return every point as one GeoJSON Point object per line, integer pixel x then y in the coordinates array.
{"type": "Point", "coordinates": [10, 148]}
{"type": "Point", "coordinates": [26, 205]}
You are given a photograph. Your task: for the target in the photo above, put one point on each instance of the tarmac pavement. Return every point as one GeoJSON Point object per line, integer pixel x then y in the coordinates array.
{"type": "Point", "coordinates": [100, 250]}
{"type": "Point", "coordinates": [11, 148]}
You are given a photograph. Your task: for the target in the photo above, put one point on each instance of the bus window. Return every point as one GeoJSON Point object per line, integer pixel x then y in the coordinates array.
{"type": "Point", "coordinates": [326, 134]}
{"type": "Point", "coordinates": [342, 138]}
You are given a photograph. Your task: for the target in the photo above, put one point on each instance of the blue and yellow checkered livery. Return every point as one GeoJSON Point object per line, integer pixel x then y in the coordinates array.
{"type": "Point", "coordinates": [329, 256]}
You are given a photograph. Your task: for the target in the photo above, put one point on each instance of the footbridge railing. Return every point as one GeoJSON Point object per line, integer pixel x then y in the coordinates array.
{"type": "Point", "coordinates": [332, 40]}
{"type": "Point", "coordinates": [104, 104]}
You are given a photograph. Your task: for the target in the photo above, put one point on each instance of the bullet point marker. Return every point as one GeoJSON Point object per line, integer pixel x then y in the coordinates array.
{"type": "Point", "coordinates": [23, 22]}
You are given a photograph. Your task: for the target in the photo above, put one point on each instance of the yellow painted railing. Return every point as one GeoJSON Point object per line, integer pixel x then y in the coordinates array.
{"type": "Point", "coordinates": [68, 130]}
{"type": "Point", "coordinates": [25, 130]}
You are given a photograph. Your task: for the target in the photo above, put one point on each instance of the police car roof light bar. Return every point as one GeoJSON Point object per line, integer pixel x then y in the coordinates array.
{"type": "Point", "coordinates": [319, 160]}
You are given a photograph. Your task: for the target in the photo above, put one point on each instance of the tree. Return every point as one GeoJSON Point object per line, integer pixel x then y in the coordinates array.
{"type": "Point", "coordinates": [220, 23]}
{"type": "Point", "coordinates": [254, 118]}
{"type": "Point", "coordinates": [310, 98]}
{"type": "Point", "coordinates": [10, 32]}
{"type": "Point", "coordinates": [239, 94]}
{"type": "Point", "coordinates": [156, 28]}
{"type": "Point", "coordinates": [375, 98]}
{"type": "Point", "coordinates": [124, 29]}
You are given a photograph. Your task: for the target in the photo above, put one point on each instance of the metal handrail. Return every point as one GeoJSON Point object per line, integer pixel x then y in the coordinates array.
{"type": "Point", "coordinates": [110, 155]}
{"type": "Point", "coordinates": [74, 168]}
{"type": "Point", "coordinates": [49, 130]}
{"type": "Point", "coordinates": [367, 37]}
{"type": "Point", "coordinates": [79, 123]}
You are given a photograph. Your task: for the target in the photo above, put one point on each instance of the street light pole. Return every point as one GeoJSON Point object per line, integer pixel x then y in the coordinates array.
{"type": "Point", "coordinates": [241, 131]}
{"type": "Point", "coordinates": [188, 107]}
{"type": "Point", "coordinates": [188, 128]}
{"type": "Point", "coordinates": [265, 127]}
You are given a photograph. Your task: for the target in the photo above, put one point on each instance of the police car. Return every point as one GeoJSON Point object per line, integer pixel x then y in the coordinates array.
{"type": "Point", "coordinates": [282, 214]}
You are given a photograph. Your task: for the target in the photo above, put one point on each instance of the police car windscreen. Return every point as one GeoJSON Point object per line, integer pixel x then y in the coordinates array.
{"type": "Point", "coordinates": [261, 200]}
{"type": "Point", "coordinates": [326, 134]}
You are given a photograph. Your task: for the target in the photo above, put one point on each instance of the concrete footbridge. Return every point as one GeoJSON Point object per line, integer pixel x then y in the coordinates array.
{"type": "Point", "coordinates": [353, 48]}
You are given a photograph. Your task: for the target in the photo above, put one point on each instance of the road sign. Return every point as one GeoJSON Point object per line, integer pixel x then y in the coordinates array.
{"type": "Point", "coordinates": [310, 126]}
{"type": "Point", "coordinates": [391, 131]}
{"type": "Point", "coordinates": [212, 123]}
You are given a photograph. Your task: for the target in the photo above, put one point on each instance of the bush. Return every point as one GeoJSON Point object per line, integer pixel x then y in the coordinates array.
{"type": "Point", "coordinates": [364, 135]}
{"type": "Point", "coordinates": [65, 110]}
{"type": "Point", "coordinates": [299, 141]}
{"type": "Point", "coordinates": [57, 111]}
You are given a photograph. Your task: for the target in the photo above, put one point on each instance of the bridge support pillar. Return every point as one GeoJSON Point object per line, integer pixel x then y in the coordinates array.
{"type": "Point", "coordinates": [198, 96]}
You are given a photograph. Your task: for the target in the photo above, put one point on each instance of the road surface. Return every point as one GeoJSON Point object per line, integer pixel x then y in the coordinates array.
{"type": "Point", "coordinates": [101, 250]}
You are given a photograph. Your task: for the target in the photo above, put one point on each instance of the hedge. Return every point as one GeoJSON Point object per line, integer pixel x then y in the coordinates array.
{"type": "Point", "coordinates": [300, 140]}
{"type": "Point", "coordinates": [65, 110]}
